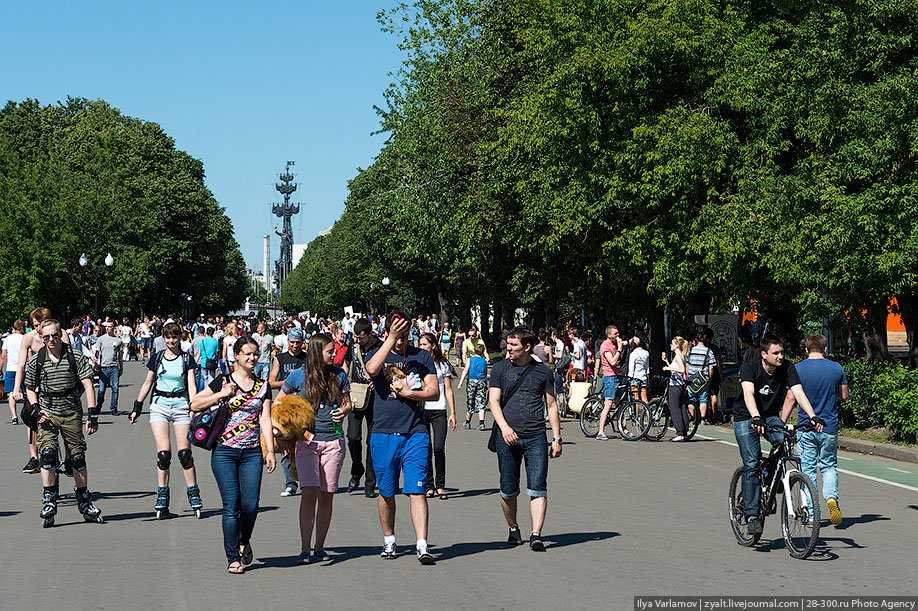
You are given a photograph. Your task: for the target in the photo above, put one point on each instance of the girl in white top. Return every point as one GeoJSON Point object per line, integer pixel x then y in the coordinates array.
{"type": "Point", "coordinates": [229, 340]}
{"type": "Point", "coordinates": [638, 368]}
{"type": "Point", "coordinates": [435, 413]}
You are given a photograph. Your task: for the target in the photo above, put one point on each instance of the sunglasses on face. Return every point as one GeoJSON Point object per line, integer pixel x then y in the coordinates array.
{"type": "Point", "coordinates": [48, 337]}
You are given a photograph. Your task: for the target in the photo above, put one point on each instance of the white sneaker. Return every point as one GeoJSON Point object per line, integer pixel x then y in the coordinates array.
{"type": "Point", "coordinates": [288, 491]}
{"type": "Point", "coordinates": [425, 557]}
{"type": "Point", "coordinates": [389, 550]}
{"type": "Point", "coordinates": [601, 436]}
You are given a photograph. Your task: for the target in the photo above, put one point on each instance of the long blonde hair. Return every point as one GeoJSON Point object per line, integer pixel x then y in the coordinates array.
{"type": "Point", "coordinates": [682, 346]}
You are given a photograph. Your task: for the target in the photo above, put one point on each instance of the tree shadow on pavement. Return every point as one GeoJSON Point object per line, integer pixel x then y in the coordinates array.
{"type": "Point", "coordinates": [7, 514]}
{"type": "Point", "coordinates": [915, 507]}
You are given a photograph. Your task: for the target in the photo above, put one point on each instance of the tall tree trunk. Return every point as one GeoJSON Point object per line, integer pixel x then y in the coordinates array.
{"type": "Point", "coordinates": [485, 326]}
{"type": "Point", "coordinates": [908, 310]}
{"type": "Point", "coordinates": [551, 310]}
{"type": "Point", "coordinates": [537, 316]}
{"type": "Point", "coordinates": [657, 340]}
{"type": "Point", "coordinates": [465, 313]}
{"type": "Point", "coordinates": [875, 338]}
{"type": "Point", "coordinates": [496, 326]}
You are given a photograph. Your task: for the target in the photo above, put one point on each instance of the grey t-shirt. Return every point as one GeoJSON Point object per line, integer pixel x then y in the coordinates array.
{"type": "Point", "coordinates": [108, 347]}
{"type": "Point", "coordinates": [525, 412]}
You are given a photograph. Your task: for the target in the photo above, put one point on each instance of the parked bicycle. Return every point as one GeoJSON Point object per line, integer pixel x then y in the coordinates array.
{"type": "Point", "coordinates": [629, 417]}
{"type": "Point", "coordinates": [779, 473]}
{"type": "Point", "coordinates": [661, 417]}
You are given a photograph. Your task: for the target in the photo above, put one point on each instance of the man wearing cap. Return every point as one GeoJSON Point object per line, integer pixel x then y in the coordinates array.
{"type": "Point", "coordinates": [285, 362]}
{"type": "Point", "coordinates": [399, 442]}
{"type": "Point", "coordinates": [108, 353]}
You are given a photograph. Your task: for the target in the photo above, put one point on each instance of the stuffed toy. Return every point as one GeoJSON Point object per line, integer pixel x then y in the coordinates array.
{"type": "Point", "coordinates": [399, 379]}
{"type": "Point", "coordinates": [292, 417]}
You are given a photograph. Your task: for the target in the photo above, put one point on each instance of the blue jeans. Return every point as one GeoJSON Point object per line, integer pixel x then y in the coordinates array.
{"type": "Point", "coordinates": [535, 450]}
{"type": "Point", "coordinates": [262, 370]}
{"type": "Point", "coordinates": [821, 448]}
{"type": "Point", "coordinates": [108, 377]}
{"type": "Point", "coordinates": [750, 448]}
{"type": "Point", "coordinates": [238, 475]}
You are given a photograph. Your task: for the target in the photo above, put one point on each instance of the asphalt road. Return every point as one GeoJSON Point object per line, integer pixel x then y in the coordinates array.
{"type": "Point", "coordinates": [624, 519]}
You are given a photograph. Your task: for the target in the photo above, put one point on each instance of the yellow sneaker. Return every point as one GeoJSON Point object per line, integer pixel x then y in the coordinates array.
{"type": "Point", "coordinates": [835, 514]}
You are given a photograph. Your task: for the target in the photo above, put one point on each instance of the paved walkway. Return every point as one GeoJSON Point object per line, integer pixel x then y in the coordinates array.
{"type": "Point", "coordinates": [624, 519]}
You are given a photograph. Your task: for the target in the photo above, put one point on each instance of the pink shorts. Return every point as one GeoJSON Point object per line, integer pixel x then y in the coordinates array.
{"type": "Point", "coordinates": [318, 463]}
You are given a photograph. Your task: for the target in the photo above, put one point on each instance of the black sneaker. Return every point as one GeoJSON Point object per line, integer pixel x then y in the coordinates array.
{"type": "Point", "coordinates": [515, 537]}
{"type": "Point", "coordinates": [535, 543]}
{"type": "Point", "coordinates": [370, 493]}
{"type": "Point", "coordinates": [14, 420]}
{"type": "Point", "coordinates": [31, 466]}
{"type": "Point", "coordinates": [481, 426]}
{"type": "Point", "coordinates": [754, 525]}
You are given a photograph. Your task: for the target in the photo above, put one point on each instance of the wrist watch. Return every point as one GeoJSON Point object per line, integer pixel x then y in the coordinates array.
{"type": "Point", "coordinates": [556, 440]}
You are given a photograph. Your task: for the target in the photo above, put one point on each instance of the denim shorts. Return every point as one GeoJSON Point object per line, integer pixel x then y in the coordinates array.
{"type": "Point", "coordinates": [178, 414]}
{"type": "Point", "coordinates": [609, 387]}
{"type": "Point", "coordinates": [637, 382]}
{"type": "Point", "coordinates": [535, 452]}
{"type": "Point", "coordinates": [393, 454]}
{"type": "Point", "coordinates": [696, 398]}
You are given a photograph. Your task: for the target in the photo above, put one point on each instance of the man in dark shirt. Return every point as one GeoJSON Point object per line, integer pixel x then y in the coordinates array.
{"type": "Point", "coordinates": [284, 363]}
{"type": "Point", "coordinates": [522, 431]}
{"type": "Point", "coordinates": [364, 342]}
{"type": "Point", "coordinates": [404, 377]}
{"type": "Point", "coordinates": [765, 382]}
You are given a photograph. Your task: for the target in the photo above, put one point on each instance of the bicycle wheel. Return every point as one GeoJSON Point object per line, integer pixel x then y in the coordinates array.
{"type": "Point", "coordinates": [589, 417]}
{"type": "Point", "coordinates": [691, 426]}
{"type": "Point", "coordinates": [801, 530]}
{"type": "Point", "coordinates": [633, 420]}
{"type": "Point", "coordinates": [735, 508]}
{"type": "Point", "coordinates": [659, 419]}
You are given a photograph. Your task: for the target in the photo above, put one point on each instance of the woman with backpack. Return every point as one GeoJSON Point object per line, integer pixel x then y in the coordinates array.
{"type": "Point", "coordinates": [171, 379]}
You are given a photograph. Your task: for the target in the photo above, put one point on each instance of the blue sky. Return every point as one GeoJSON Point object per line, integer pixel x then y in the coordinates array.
{"type": "Point", "coordinates": [243, 86]}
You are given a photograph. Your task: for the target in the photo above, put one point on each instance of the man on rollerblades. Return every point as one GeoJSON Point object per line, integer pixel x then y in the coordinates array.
{"type": "Point", "coordinates": [53, 377]}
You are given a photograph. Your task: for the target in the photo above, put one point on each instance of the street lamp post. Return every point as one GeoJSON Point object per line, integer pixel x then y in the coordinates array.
{"type": "Point", "coordinates": [84, 263]}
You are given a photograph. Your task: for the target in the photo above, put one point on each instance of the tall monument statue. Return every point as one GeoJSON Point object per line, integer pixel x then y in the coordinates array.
{"type": "Point", "coordinates": [284, 264]}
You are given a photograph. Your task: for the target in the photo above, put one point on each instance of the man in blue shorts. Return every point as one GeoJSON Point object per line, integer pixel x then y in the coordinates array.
{"type": "Point", "coordinates": [404, 377]}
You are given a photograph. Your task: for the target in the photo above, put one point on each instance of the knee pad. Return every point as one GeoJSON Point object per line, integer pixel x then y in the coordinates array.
{"type": "Point", "coordinates": [78, 461]}
{"type": "Point", "coordinates": [48, 458]}
{"type": "Point", "coordinates": [186, 459]}
{"type": "Point", "coordinates": [163, 460]}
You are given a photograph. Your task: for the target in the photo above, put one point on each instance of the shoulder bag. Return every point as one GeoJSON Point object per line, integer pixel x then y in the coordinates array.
{"type": "Point", "coordinates": [360, 391]}
{"type": "Point", "coordinates": [699, 380]}
{"type": "Point", "coordinates": [207, 426]}
{"type": "Point", "coordinates": [495, 430]}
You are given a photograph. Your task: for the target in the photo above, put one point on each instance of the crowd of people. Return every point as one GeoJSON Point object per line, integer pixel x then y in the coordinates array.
{"type": "Point", "coordinates": [389, 381]}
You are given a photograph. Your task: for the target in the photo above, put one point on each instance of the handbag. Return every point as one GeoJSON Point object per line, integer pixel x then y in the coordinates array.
{"type": "Point", "coordinates": [495, 430]}
{"type": "Point", "coordinates": [207, 426]}
{"type": "Point", "coordinates": [210, 364]}
{"type": "Point", "coordinates": [699, 380]}
{"type": "Point", "coordinates": [360, 391]}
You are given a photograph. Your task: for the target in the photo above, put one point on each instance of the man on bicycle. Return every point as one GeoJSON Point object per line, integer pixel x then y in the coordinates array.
{"type": "Point", "coordinates": [765, 382]}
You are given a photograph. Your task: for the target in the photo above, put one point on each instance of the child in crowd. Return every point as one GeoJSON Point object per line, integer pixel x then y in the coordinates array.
{"type": "Point", "coordinates": [476, 372]}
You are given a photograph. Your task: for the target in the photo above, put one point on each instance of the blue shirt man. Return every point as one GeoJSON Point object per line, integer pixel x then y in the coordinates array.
{"type": "Point", "coordinates": [404, 377]}
{"type": "Point", "coordinates": [824, 383]}
{"type": "Point", "coordinates": [207, 355]}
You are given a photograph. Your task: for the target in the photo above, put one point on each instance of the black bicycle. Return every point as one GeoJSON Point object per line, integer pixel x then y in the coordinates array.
{"type": "Point", "coordinates": [629, 417]}
{"type": "Point", "coordinates": [661, 416]}
{"type": "Point", "coordinates": [779, 473]}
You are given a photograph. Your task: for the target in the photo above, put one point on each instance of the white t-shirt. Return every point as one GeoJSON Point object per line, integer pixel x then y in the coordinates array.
{"type": "Point", "coordinates": [126, 332]}
{"type": "Point", "coordinates": [638, 363]}
{"type": "Point", "coordinates": [579, 346]}
{"type": "Point", "coordinates": [12, 344]}
{"type": "Point", "coordinates": [280, 341]}
{"type": "Point", "coordinates": [444, 373]}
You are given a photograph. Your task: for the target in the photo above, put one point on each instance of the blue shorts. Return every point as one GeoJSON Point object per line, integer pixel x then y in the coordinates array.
{"type": "Point", "coordinates": [609, 387]}
{"type": "Point", "coordinates": [9, 381]}
{"type": "Point", "coordinates": [395, 454]}
{"type": "Point", "coordinates": [697, 398]}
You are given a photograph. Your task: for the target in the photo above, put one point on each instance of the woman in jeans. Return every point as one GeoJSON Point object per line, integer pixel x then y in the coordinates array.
{"type": "Point", "coordinates": [676, 386]}
{"type": "Point", "coordinates": [237, 461]}
{"type": "Point", "coordinates": [437, 420]}
{"type": "Point", "coordinates": [319, 459]}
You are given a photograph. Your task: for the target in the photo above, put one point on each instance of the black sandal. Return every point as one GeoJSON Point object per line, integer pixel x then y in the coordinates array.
{"type": "Point", "coordinates": [235, 568]}
{"type": "Point", "coordinates": [443, 495]}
